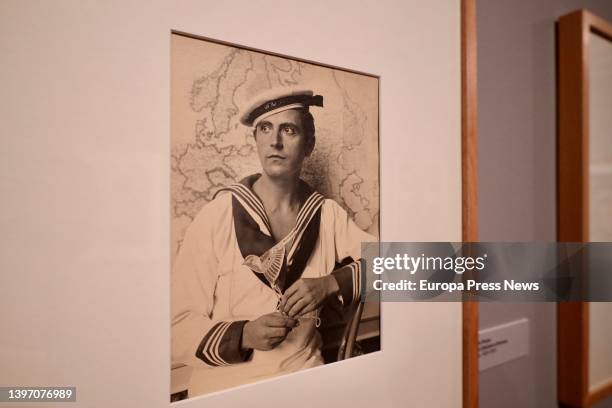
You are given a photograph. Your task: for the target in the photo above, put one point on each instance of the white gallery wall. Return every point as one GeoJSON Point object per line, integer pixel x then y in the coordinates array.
{"type": "Point", "coordinates": [84, 176]}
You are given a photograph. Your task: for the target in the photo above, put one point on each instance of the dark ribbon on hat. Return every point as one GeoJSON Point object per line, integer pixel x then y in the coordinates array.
{"type": "Point", "coordinates": [306, 100]}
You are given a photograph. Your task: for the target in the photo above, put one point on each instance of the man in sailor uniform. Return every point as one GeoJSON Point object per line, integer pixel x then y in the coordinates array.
{"type": "Point", "coordinates": [259, 261]}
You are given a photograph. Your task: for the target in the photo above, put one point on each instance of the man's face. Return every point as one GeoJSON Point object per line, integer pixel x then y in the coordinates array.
{"type": "Point", "coordinates": [281, 144]}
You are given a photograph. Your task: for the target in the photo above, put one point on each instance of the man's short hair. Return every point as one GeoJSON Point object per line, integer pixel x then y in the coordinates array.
{"type": "Point", "coordinates": [308, 126]}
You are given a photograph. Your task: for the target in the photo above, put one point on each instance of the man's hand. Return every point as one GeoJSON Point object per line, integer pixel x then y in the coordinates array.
{"type": "Point", "coordinates": [307, 294]}
{"type": "Point", "coordinates": [267, 331]}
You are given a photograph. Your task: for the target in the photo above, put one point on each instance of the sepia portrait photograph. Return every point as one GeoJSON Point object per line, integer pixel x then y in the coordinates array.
{"type": "Point", "coordinates": [274, 187]}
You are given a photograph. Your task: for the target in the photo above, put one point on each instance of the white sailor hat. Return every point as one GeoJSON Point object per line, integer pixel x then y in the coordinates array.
{"type": "Point", "coordinates": [277, 100]}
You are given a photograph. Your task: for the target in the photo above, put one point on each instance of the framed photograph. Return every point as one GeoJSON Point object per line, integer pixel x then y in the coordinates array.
{"type": "Point", "coordinates": [98, 212]}
{"type": "Point", "coordinates": [274, 186]}
{"type": "Point", "coordinates": [584, 197]}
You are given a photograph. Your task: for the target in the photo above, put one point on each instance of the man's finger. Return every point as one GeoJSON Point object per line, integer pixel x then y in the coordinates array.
{"type": "Point", "coordinates": [288, 293]}
{"type": "Point", "coordinates": [297, 307]}
{"type": "Point", "coordinates": [277, 332]}
{"type": "Point", "coordinates": [307, 309]}
{"type": "Point", "coordinates": [291, 301]}
{"type": "Point", "coordinates": [276, 341]}
{"type": "Point", "coordinates": [278, 320]}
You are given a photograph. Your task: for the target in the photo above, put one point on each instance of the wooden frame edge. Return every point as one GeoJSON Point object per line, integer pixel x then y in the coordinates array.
{"type": "Point", "coordinates": [572, 381]}
{"type": "Point", "coordinates": [573, 198]}
{"type": "Point", "coordinates": [469, 190]}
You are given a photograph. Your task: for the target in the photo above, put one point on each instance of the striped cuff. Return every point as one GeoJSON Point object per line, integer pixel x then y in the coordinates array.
{"type": "Point", "coordinates": [221, 345]}
{"type": "Point", "coordinates": [349, 282]}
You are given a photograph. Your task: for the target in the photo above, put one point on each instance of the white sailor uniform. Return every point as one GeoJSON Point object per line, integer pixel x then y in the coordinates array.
{"type": "Point", "coordinates": [214, 293]}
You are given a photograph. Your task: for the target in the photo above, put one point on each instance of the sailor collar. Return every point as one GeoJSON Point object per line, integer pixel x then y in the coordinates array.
{"type": "Point", "coordinates": [277, 264]}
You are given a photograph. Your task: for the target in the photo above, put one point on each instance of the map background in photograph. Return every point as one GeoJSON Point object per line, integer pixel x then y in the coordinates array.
{"type": "Point", "coordinates": [210, 148]}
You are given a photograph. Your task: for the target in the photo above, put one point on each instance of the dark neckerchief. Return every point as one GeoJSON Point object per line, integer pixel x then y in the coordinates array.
{"type": "Point", "coordinates": [254, 233]}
